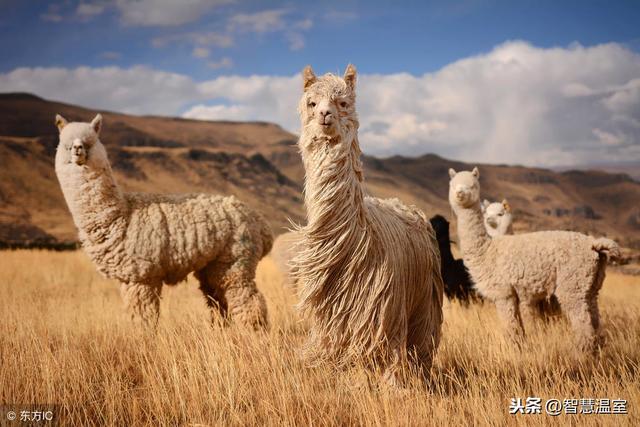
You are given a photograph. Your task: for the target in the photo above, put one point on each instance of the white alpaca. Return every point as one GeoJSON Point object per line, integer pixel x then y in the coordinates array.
{"type": "Point", "coordinates": [368, 269]}
{"type": "Point", "coordinates": [145, 240]}
{"type": "Point", "coordinates": [497, 218]}
{"type": "Point", "coordinates": [517, 271]}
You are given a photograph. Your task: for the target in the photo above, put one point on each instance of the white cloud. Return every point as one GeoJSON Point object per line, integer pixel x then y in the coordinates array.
{"type": "Point", "coordinates": [217, 112]}
{"type": "Point", "coordinates": [110, 55]}
{"type": "Point", "coordinates": [164, 12]}
{"type": "Point", "coordinates": [296, 40]}
{"type": "Point", "coordinates": [305, 24]}
{"type": "Point", "coordinates": [138, 12]}
{"type": "Point", "coordinates": [225, 62]}
{"type": "Point", "coordinates": [137, 90]}
{"type": "Point", "coordinates": [200, 39]}
{"type": "Point", "coordinates": [201, 52]}
{"type": "Point", "coordinates": [89, 10]}
{"type": "Point", "coordinates": [52, 14]}
{"type": "Point", "coordinates": [272, 21]}
{"type": "Point", "coordinates": [514, 104]}
{"type": "Point", "coordinates": [266, 21]}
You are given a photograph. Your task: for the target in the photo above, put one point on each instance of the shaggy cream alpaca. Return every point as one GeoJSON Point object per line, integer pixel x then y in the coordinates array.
{"type": "Point", "coordinates": [517, 271]}
{"type": "Point", "coordinates": [368, 269]}
{"type": "Point", "coordinates": [497, 217]}
{"type": "Point", "coordinates": [145, 240]}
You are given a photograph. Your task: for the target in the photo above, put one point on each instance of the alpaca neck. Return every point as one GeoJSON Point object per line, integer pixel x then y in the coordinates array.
{"type": "Point", "coordinates": [334, 196]}
{"type": "Point", "coordinates": [472, 234]}
{"type": "Point", "coordinates": [95, 201]}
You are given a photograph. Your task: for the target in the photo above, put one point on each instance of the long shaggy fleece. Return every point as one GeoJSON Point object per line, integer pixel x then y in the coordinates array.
{"type": "Point", "coordinates": [368, 269]}
{"type": "Point", "coordinates": [145, 240]}
{"type": "Point", "coordinates": [517, 271]}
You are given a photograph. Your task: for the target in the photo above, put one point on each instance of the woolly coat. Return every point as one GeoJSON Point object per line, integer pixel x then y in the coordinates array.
{"type": "Point", "coordinates": [150, 238]}
{"type": "Point", "coordinates": [532, 265]}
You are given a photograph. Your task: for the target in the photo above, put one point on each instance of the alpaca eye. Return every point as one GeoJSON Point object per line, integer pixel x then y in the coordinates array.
{"type": "Point", "coordinates": [343, 104]}
{"type": "Point", "coordinates": [313, 104]}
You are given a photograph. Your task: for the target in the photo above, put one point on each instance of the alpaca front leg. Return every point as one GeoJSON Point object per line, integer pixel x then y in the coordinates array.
{"type": "Point", "coordinates": [509, 314]}
{"type": "Point", "coordinates": [142, 301]}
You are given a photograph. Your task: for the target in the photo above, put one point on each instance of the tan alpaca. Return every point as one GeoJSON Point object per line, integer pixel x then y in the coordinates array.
{"type": "Point", "coordinates": [517, 271]}
{"type": "Point", "coordinates": [497, 218]}
{"type": "Point", "coordinates": [368, 270]}
{"type": "Point", "coordinates": [145, 240]}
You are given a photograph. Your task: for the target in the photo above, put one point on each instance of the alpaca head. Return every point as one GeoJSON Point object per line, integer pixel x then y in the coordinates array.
{"type": "Point", "coordinates": [497, 217]}
{"type": "Point", "coordinates": [79, 144]}
{"type": "Point", "coordinates": [464, 188]}
{"type": "Point", "coordinates": [328, 106]}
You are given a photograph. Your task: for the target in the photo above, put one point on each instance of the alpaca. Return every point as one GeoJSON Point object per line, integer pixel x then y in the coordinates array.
{"type": "Point", "coordinates": [368, 269]}
{"type": "Point", "coordinates": [498, 222]}
{"type": "Point", "coordinates": [283, 251]}
{"type": "Point", "coordinates": [145, 240]}
{"type": "Point", "coordinates": [457, 281]}
{"type": "Point", "coordinates": [517, 271]}
{"type": "Point", "coordinates": [497, 218]}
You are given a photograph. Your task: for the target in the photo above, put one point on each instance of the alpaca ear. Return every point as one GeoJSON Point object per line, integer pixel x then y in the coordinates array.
{"type": "Point", "coordinates": [476, 172]}
{"type": "Point", "coordinates": [506, 205]}
{"type": "Point", "coordinates": [96, 123]}
{"type": "Point", "coordinates": [308, 77]}
{"type": "Point", "coordinates": [485, 204]}
{"type": "Point", "coordinates": [350, 76]}
{"type": "Point", "coordinates": [61, 122]}
{"type": "Point", "coordinates": [452, 173]}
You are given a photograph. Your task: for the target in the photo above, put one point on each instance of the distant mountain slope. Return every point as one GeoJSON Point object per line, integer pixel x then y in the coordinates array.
{"type": "Point", "coordinates": [259, 163]}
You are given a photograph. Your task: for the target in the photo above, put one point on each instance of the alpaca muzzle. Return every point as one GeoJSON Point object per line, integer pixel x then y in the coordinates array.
{"type": "Point", "coordinates": [78, 154]}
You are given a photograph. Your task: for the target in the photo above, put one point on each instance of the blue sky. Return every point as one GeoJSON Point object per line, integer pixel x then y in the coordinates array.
{"type": "Point", "coordinates": [414, 37]}
{"type": "Point", "coordinates": [537, 82]}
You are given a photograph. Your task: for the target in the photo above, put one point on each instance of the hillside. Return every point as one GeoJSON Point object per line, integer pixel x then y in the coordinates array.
{"type": "Point", "coordinates": [259, 163]}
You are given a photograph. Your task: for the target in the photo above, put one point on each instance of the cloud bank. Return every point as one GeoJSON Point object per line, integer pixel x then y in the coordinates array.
{"type": "Point", "coordinates": [515, 104]}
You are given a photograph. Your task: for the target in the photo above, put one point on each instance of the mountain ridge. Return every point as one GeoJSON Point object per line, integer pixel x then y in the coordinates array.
{"type": "Point", "coordinates": [259, 162]}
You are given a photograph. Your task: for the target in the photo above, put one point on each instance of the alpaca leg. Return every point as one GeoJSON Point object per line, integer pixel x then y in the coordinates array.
{"type": "Point", "coordinates": [231, 289]}
{"type": "Point", "coordinates": [142, 301]}
{"type": "Point", "coordinates": [395, 367]}
{"type": "Point", "coordinates": [580, 317]}
{"type": "Point", "coordinates": [245, 303]}
{"type": "Point", "coordinates": [580, 305]}
{"type": "Point", "coordinates": [528, 312]}
{"type": "Point", "coordinates": [214, 296]}
{"type": "Point", "coordinates": [509, 314]}
{"type": "Point", "coordinates": [424, 337]}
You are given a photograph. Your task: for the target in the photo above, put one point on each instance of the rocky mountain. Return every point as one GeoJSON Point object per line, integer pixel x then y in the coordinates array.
{"type": "Point", "coordinates": [259, 163]}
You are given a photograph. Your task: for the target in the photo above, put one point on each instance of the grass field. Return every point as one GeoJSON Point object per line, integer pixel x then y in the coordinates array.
{"type": "Point", "coordinates": [65, 340]}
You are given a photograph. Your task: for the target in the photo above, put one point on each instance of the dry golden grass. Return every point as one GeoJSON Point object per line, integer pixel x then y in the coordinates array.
{"type": "Point", "coordinates": [64, 339]}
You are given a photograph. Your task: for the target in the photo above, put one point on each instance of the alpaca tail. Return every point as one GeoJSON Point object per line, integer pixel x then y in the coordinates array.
{"type": "Point", "coordinates": [607, 248]}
